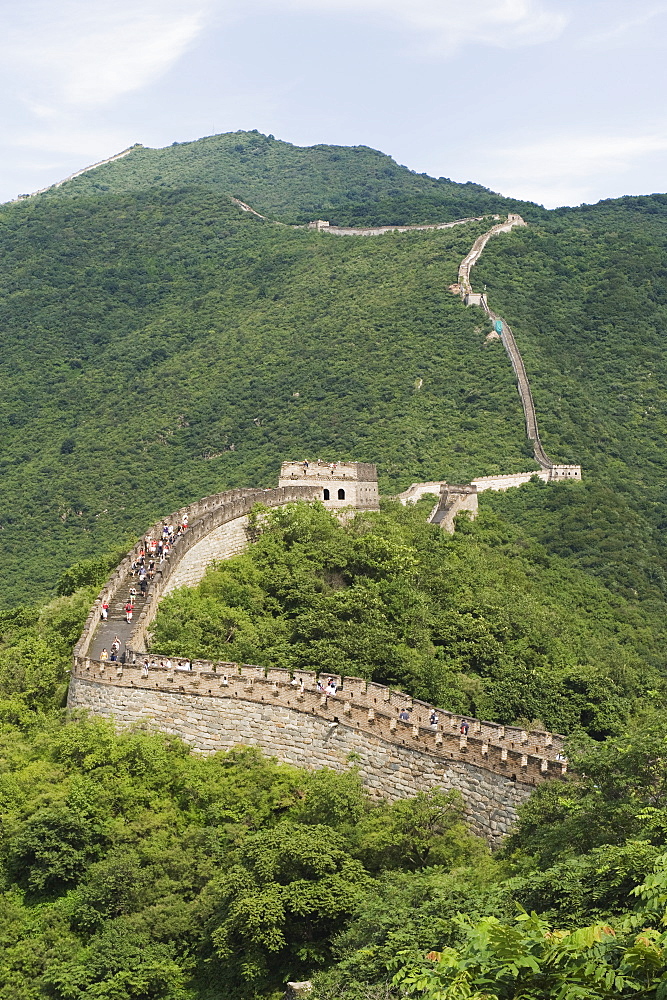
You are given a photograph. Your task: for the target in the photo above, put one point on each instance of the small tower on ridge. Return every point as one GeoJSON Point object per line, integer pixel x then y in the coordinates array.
{"type": "Point", "coordinates": [343, 484]}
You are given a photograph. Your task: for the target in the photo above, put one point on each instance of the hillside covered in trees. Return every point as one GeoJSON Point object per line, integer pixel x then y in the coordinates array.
{"type": "Point", "coordinates": [160, 344]}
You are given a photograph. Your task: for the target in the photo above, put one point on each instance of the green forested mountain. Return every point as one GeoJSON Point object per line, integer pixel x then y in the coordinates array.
{"type": "Point", "coordinates": [159, 344]}
{"type": "Point", "coordinates": [347, 185]}
{"type": "Point", "coordinates": [165, 345]}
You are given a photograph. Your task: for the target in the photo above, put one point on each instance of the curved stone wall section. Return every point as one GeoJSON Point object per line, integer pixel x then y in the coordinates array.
{"type": "Point", "coordinates": [204, 516]}
{"type": "Point", "coordinates": [475, 251]}
{"type": "Point", "coordinates": [214, 711]}
{"type": "Point", "coordinates": [222, 543]}
{"type": "Point", "coordinates": [218, 534]}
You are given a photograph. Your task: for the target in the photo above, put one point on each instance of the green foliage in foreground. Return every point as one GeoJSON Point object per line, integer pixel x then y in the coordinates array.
{"type": "Point", "coordinates": [483, 622]}
{"type": "Point", "coordinates": [532, 959]}
{"type": "Point", "coordinates": [554, 916]}
{"type": "Point", "coordinates": [135, 869]}
{"type": "Point", "coordinates": [131, 869]}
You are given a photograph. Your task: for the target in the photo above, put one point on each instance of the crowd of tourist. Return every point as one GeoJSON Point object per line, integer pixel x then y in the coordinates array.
{"type": "Point", "coordinates": [153, 553]}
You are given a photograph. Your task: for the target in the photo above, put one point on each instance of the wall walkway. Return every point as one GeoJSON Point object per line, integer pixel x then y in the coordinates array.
{"type": "Point", "coordinates": [216, 531]}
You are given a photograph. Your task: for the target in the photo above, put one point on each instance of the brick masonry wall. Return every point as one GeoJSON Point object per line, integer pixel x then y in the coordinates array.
{"type": "Point", "coordinates": [208, 723]}
{"type": "Point", "coordinates": [221, 543]}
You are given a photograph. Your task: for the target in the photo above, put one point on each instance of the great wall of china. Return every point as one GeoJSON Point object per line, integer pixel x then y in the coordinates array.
{"type": "Point", "coordinates": [217, 705]}
{"type": "Point", "coordinates": [214, 706]}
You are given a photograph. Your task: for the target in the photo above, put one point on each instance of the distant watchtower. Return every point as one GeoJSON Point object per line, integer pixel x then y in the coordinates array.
{"type": "Point", "coordinates": [343, 484]}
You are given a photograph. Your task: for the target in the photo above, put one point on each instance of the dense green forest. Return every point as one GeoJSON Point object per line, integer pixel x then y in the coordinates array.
{"type": "Point", "coordinates": [586, 291]}
{"type": "Point", "coordinates": [163, 346]}
{"type": "Point", "coordinates": [158, 345]}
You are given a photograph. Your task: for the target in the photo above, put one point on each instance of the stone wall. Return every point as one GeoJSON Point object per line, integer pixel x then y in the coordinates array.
{"type": "Point", "coordinates": [326, 227]}
{"type": "Point", "coordinates": [227, 540]}
{"type": "Point", "coordinates": [308, 730]}
{"type": "Point", "coordinates": [454, 500]}
{"type": "Point", "coordinates": [206, 516]}
{"type": "Point", "coordinates": [502, 481]}
{"type": "Point", "coordinates": [506, 482]}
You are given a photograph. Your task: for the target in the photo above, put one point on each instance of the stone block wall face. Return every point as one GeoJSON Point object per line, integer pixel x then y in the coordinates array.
{"type": "Point", "coordinates": [211, 723]}
{"type": "Point", "coordinates": [221, 543]}
{"type": "Point", "coordinates": [506, 482]}
{"type": "Point", "coordinates": [459, 502]}
{"type": "Point", "coordinates": [205, 517]}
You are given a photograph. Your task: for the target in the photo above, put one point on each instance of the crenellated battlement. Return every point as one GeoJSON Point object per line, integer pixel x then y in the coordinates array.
{"type": "Point", "coordinates": [216, 706]}
{"type": "Point", "coordinates": [528, 756]}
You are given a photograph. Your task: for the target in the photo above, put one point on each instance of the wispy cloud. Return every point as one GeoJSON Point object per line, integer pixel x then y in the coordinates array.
{"type": "Point", "coordinates": [86, 53]}
{"type": "Point", "coordinates": [83, 54]}
{"type": "Point", "coordinates": [564, 170]}
{"type": "Point", "coordinates": [618, 31]}
{"type": "Point", "coordinates": [450, 23]}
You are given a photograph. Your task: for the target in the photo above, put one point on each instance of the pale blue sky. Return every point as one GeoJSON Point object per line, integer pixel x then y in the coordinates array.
{"type": "Point", "coordinates": [552, 100]}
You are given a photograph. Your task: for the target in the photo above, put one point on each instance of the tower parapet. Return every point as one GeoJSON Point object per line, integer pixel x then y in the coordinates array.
{"type": "Point", "coordinates": [342, 484]}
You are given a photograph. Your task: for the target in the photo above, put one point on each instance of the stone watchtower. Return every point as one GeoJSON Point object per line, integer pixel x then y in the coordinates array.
{"type": "Point", "coordinates": [343, 484]}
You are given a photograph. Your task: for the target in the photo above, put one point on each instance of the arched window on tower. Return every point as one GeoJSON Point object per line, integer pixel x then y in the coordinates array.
{"type": "Point", "coordinates": [326, 494]}
{"type": "Point", "coordinates": [341, 494]}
